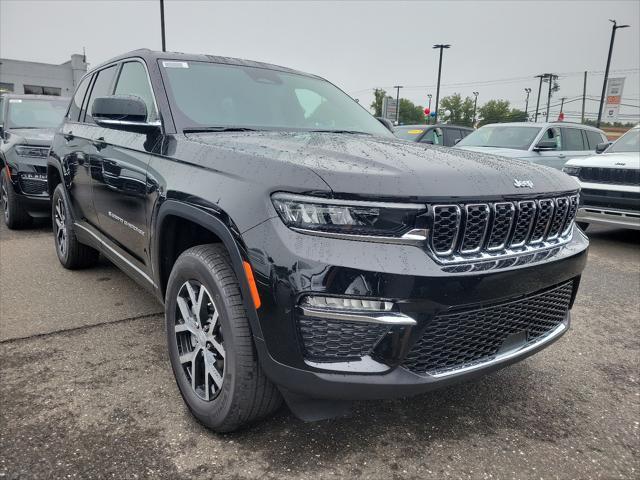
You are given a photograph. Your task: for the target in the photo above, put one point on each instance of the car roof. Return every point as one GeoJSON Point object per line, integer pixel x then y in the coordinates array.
{"type": "Point", "coordinates": [150, 56]}
{"type": "Point", "coordinates": [29, 96]}
{"type": "Point", "coordinates": [545, 124]}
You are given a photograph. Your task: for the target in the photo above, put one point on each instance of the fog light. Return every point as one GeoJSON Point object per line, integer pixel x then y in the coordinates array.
{"type": "Point", "coordinates": [315, 301]}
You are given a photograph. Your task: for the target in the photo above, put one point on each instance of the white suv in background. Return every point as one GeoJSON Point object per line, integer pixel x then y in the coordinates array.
{"type": "Point", "coordinates": [610, 183]}
{"type": "Point", "coordinates": [551, 143]}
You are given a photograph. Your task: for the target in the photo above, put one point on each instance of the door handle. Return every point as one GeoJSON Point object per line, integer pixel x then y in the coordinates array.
{"type": "Point", "coordinates": [68, 136]}
{"type": "Point", "coordinates": [99, 143]}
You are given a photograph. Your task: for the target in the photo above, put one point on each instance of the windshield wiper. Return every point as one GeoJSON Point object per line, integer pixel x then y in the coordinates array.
{"type": "Point", "coordinates": [219, 129]}
{"type": "Point", "coordinates": [351, 132]}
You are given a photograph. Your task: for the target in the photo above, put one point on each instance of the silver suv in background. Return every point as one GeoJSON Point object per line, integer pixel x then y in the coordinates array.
{"type": "Point", "coordinates": [551, 144]}
{"type": "Point", "coordinates": [610, 184]}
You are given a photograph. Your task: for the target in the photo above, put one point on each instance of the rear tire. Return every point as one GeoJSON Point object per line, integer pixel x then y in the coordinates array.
{"type": "Point", "coordinates": [71, 253]}
{"type": "Point", "coordinates": [583, 226]}
{"type": "Point", "coordinates": [210, 343]}
{"type": "Point", "coordinates": [15, 216]}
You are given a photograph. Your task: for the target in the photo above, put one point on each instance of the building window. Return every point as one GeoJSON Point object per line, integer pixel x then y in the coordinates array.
{"type": "Point", "coordinates": [6, 87]}
{"type": "Point", "coordinates": [38, 90]}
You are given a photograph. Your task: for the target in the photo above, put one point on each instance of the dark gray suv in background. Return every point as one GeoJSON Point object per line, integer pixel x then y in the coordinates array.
{"type": "Point", "coordinates": [300, 250]}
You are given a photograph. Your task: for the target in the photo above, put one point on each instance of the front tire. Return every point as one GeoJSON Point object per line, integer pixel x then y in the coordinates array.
{"type": "Point", "coordinates": [71, 253]}
{"type": "Point", "coordinates": [210, 343]}
{"type": "Point", "coordinates": [15, 216]}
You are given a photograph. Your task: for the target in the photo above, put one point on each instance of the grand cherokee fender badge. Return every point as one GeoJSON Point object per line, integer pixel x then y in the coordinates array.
{"type": "Point", "coordinates": [522, 183]}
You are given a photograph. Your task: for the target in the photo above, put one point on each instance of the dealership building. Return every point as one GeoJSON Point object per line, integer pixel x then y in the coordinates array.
{"type": "Point", "coordinates": [18, 76]}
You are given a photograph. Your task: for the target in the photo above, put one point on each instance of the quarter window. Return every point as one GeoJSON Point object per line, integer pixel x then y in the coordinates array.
{"type": "Point", "coordinates": [76, 104]}
{"type": "Point", "coordinates": [133, 80]}
{"type": "Point", "coordinates": [572, 139]}
{"type": "Point", "coordinates": [101, 88]}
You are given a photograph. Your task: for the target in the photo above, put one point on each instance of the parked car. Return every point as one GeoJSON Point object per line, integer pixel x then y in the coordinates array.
{"type": "Point", "coordinates": [447, 135]}
{"type": "Point", "coordinates": [301, 251]}
{"type": "Point", "coordinates": [27, 123]}
{"type": "Point", "coordinates": [550, 144]}
{"type": "Point", "coordinates": [610, 183]}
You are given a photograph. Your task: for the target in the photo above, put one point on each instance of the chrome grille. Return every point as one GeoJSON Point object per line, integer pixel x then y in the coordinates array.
{"type": "Point", "coordinates": [478, 230]}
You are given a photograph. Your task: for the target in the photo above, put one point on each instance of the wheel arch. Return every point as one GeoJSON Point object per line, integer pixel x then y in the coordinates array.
{"type": "Point", "coordinates": [217, 227]}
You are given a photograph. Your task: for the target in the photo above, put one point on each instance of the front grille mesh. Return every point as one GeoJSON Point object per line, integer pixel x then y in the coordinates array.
{"type": "Point", "coordinates": [460, 339]}
{"type": "Point", "coordinates": [615, 176]}
{"type": "Point", "coordinates": [338, 341]}
{"type": "Point", "coordinates": [469, 229]}
{"type": "Point", "coordinates": [33, 187]}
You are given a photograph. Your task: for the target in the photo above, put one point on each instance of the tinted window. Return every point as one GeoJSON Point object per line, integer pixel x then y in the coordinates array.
{"type": "Point", "coordinates": [215, 95]}
{"type": "Point", "coordinates": [572, 139]}
{"type": "Point", "coordinates": [76, 102]}
{"type": "Point", "coordinates": [133, 80]}
{"type": "Point", "coordinates": [433, 136]}
{"type": "Point", "coordinates": [101, 88]}
{"type": "Point", "coordinates": [411, 132]}
{"type": "Point", "coordinates": [40, 90]}
{"type": "Point", "coordinates": [450, 136]}
{"type": "Point", "coordinates": [594, 138]}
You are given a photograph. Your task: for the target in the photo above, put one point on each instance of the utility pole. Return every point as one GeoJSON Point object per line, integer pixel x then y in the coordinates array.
{"type": "Point", "coordinates": [584, 96]}
{"type": "Point", "coordinates": [441, 47]}
{"type": "Point", "coordinates": [164, 43]}
{"type": "Point", "coordinates": [539, 93]}
{"type": "Point", "coordinates": [606, 71]}
{"type": "Point", "coordinates": [551, 77]}
{"type": "Point", "coordinates": [398, 87]}
{"type": "Point", "coordinates": [526, 104]}
{"type": "Point", "coordinates": [475, 104]}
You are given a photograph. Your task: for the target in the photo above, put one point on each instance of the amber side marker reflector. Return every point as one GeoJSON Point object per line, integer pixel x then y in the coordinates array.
{"type": "Point", "coordinates": [252, 284]}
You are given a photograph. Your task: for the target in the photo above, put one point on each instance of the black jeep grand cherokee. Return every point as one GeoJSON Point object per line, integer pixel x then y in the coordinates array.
{"type": "Point", "coordinates": [299, 249]}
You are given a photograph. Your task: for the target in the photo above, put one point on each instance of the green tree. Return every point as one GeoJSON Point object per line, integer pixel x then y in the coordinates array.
{"type": "Point", "coordinates": [516, 115]}
{"type": "Point", "coordinates": [461, 110]}
{"type": "Point", "coordinates": [376, 106]}
{"type": "Point", "coordinates": [410, 113]}
{"type": "Point", "coordinates": [494, 111]}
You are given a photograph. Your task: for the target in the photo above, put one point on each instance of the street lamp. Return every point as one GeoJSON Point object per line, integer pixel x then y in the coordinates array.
{"type": "Point", "coordinates": [606, 71]}
{"type": "Point", "coordinates": [441, 47]}
{"type": "Point", "coordinates": [164, 44]}
{"type": "Point", "coordinates": [475, 104]}
{"type": "Point", "coordinates": [429, 96]}
{"type": "Point", "coordinates": [526, 104]}
{"type": "Point", "coordinates": [398, 87]}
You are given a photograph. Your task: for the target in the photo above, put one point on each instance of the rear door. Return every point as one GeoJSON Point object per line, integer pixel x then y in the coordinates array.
{"type": "Point", "coordinates": [573, 143]}
{"type": "Point", "coordinates": [120, 177]}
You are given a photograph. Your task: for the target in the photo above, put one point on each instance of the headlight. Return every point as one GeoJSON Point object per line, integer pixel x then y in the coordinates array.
{"type": "Point", "coordinates": [31, 151]}
{"type": "Point", "coordinates": [571, 170]}
{"type": "Point", "coordinates": [356, 220]}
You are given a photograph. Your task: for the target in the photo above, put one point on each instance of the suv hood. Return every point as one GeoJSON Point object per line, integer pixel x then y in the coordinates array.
{"type": "Point", "coordinates": [609, 160]}
{"type": "Point", "coordinates": [363, 165]}
{"type": "Point", "coordinates": [32, 136]}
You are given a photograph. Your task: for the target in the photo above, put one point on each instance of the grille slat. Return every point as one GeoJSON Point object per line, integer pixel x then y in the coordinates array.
{"type": "Point", "coordinates": [616, 176]}
{"type": "Point", "coordinates": [460, 339]}
{"type": "Point", "coordinates": [486, 230]}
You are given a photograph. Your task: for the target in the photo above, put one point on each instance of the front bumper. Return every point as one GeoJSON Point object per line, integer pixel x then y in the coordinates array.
{"type": "Point", "coordinates": [290, 265]}
{"type": "Point", "coordinates": [29, 181]}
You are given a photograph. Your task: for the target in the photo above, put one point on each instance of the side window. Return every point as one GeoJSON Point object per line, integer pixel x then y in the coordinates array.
{"type": "Point", "coordinates": [76, 103]}
{"type": "Point", "coordinates": [1, 110]}
{"type": "Point", "coordinates": [133, 80]}
{"type": "Point", "coordinates": [594, 138]}
{"type": "Point", "coordinates": [101, 88]}
{"type": "Point", "coordinates": [572, 139]}
{"type": "Point", "coordinates": [553, 134]}
{"type": "Point", "coordinates": [433, 136]}
{"type": "Point", "coordinates": [450, 136]}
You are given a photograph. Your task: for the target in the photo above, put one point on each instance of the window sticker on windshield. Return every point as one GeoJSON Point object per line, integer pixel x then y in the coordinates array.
{"type": "Point", "coordinates": [415, 132]}
{"type": "Point", "coordinates": [15, 100]}
{"type": "Point", "coordinates": [173, 64]}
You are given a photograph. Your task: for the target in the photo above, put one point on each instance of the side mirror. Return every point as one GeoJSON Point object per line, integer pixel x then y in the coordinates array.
{"type": "Point", "coordinates": [601, 147]}
{"type": "Point", "coordinates": [545, 146]}
{"type": "Point", "coordinates": [387, 123]}
{"type": "Point", "coordinates": [122, 112]}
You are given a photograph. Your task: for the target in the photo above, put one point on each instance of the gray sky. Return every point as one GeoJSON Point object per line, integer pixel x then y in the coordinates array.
{"type": "Point", "coordinates": [358, 45]}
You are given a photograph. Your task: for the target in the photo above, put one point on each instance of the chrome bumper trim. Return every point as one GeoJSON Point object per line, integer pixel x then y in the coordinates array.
{"type": "Point", "coordinates": [386, 318]}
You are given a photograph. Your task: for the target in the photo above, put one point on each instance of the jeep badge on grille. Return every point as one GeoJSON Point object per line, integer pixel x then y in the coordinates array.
{"type": "Point", "coordinates": [522, 183]}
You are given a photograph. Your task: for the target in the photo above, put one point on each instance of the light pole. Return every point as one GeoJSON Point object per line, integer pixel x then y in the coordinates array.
{"type": "Point", "coordinates": [441, 47]}
{"type": "Point", "coordinates": [475, 104]}
{"type": "Point", "coordinates": [398, 87]}
{"type": "Point", "coordinates": [606, 71]}
{"type": "Point", "coordinates": [526, 104]}
{"type": "Point", "coordinates": [428, 117]}
{"type": "Point", "coordinates": [164, 44]}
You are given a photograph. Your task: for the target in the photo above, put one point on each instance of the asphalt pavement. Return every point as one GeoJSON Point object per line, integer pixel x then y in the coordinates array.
{"type": "Point", "coordinates": [86, 391]}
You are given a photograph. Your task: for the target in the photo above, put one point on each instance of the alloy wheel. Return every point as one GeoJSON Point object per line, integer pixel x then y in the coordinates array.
{"type": "Point", "coordinates": [199, 340]}
{"type": "Point", "coordinates": [60, 227]}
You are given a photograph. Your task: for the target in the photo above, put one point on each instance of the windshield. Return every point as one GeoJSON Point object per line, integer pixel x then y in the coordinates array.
{"type": "Point", "coordinates": [215, 95]}
{"type": "Point", "coordinates": [35, 113]}
{"type": "Point", "coordinates": [411, 133]}
{"type": "Point", "coordinates": [503, 136]}
{"type": "Point", "coordinates": [629, 142]}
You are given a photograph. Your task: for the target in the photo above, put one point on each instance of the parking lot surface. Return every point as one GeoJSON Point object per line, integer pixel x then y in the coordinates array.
{"type": "Point", "coordinates": [87, 392]}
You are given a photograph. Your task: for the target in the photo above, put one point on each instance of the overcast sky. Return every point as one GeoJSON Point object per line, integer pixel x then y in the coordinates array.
{"type": "Point", "coordinates": [497, 47]}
